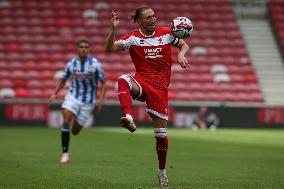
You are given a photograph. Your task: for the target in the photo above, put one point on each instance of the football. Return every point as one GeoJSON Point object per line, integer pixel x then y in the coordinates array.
{"type": "Point", "coordinates": [181, 27]}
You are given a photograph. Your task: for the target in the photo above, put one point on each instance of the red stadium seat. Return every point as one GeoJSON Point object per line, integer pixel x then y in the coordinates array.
{"type": "Point", "coordinates": [19, 74]}
{"type": "Point", "coordinates": [172, 95]}
{"type": "Point", "coordinates": [19, 83]}
{"type": "Point", "coordinates": [47, 74]}
{"type": "Point", "coordinates": [50, 84]}
{"type": "Point", "coordinates": [12, 47]}
{"type": "Point", "coordinates": [214, 96]}
{"type": "Point", "coordinates": [5, 83]}
{"type": "Point", "coordinates": [4, 74]}
{"type": "Point", "coordinates": [256, 97]}
{"type": "Point", "coordinates": [38, 93]}
{"type": "Point", "coordinates": [35, 84]}
{"type": "Point", "coordinates": [22, 93]}
{"type": "Point", "coordinates": [16, 65]}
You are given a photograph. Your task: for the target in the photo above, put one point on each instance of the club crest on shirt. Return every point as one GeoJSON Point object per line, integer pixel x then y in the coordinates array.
{"type": "Point", "coordinates": [160, 41]}
{"type": "Point", "coordinates": [91, 69]}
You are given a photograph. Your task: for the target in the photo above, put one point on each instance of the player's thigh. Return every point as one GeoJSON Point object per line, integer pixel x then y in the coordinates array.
{"type": "Point", "coordinates": [135, 88]}
{"type": "Point", "coordinates": [137, 92]}
{"type": "Point", "coordinates": [84, 115]}
{"type": "Point", "coordinates": [71, 108]}
{"type": "Point", "coordinates": [68, 117]}
{"type": "Point", "coordinates": [158, 122]}
{"type": "Point", "coordinates": [157, 103]}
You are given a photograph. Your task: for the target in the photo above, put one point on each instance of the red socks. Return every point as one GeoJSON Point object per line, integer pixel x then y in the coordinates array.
{"type": "Point", "coordinates": [124, 96]}
{"type": "Point", "coordinates": [162, 149]}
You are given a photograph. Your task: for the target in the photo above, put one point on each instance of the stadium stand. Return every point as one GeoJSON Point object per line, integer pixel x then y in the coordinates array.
{"type": "Point", "coordinates": [276, 9]}
{"type": "Point", "coordinates": [38, 38]}
{"type": "Point", "coordinates": [257, 30]}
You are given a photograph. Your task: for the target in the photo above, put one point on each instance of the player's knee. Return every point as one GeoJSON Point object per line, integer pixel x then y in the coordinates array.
{"type": "Point", "coordinates": [124, 78]}
{"type": "Point", "coordinates": [67, 121]}
{"type": "Point", "coordinates": [160, 132]}
{"type": "Point", "coordinates": [76, 128]}
{"type": "Point", "coordinates": [75, 132]}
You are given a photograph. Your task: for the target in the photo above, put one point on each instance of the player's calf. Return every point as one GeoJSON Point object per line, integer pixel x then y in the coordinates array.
{"type": "Point", "coordinates": [162, 148]}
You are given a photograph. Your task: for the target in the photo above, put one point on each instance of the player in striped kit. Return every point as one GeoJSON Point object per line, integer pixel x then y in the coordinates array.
{"type": "Point", "coordinates": [79, 103]}
{"type": "Point", "coordinates": [150, 50]}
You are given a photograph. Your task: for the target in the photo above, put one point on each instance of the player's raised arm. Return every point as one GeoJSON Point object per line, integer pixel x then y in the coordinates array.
{"type": "Point", "coordinates": [111, 44]}
{"type": "Point", "coordinates": [181, 55]}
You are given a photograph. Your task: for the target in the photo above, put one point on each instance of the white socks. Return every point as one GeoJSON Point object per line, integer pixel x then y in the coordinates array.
{"type": "Point", "coordinates": [161, 172]}
{"type": "Point", "coordinates": [129, 117]}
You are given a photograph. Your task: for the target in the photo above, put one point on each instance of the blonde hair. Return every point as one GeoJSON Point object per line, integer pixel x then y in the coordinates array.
{"type": "Point", "coordinates": [138, 13]}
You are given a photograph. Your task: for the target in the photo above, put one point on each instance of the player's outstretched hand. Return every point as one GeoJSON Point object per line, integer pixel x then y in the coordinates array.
{"type": "Point", "coordinates": [114, 20]}
{"type": "Point", "coordinates": [99, 105]}
{"type": "Point", "coordinates": [51, 98]}
{"type": "Point", "coordinates": [183, 62]}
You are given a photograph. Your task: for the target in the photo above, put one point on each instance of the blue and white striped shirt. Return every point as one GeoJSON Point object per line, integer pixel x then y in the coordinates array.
{"type": "Point", "coordinates": [85, 78]}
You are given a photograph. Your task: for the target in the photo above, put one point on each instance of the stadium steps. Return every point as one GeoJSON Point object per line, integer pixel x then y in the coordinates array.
{"type": "Point", "coordinates": [266, 58]}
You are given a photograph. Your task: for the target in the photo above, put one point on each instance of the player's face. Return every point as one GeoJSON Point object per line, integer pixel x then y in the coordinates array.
{"type": "Point", "coordinates": [203, 110]}
{"type": "Point", "coordinates": [83, 49]}
{"type": "Point", "coordinates": [147, 21]}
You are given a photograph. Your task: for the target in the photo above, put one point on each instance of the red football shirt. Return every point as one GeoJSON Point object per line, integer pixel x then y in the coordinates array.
{"type": "Point", "coordinates": [151, 55]}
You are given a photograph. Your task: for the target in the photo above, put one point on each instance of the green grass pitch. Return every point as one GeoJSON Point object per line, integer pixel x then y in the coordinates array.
{"type": "Point", "coordinates": [113, 158]}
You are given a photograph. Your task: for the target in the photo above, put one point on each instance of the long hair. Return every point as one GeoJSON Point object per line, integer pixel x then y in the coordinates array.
{"type": "Point", "coordinates": [138, 13]}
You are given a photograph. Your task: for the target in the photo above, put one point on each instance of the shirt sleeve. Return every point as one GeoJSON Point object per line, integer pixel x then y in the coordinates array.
{"type": "Point", "coordinates": [100, 71]}
{"type": "Point", "coordinates": [126, 41]}
{"type": "Point", "coordinates": [67, 71]}
{"type": "Point", "coordinates": [172, 39]}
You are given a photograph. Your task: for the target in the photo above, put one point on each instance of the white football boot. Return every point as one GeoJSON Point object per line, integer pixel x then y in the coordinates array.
{"type": "Point", "coordinates": [65, 158]}
{"type": "Point", "coordinates": [128, 123]}
{"type": "Point", "coordinates": [163, 179]}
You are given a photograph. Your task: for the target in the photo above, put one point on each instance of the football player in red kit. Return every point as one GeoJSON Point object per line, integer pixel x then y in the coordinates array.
{"type": "Point", "coordinates": [150, 50]}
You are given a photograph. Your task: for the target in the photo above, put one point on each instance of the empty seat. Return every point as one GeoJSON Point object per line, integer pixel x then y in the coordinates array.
{"type": "Point", "coordinates": [7, 93]}
{"type": "Point", "coordinates": [218, 68]}
{"type": "Point", "coordinates": [221, 77]}
{"type": "Point", "coordinates": [90, 13]}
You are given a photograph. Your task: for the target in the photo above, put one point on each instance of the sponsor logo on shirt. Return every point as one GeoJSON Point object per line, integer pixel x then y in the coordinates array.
{"type": "Point", "coordinates": [83, 75]}
{"type": "Point", "coordinates": [153, 53]}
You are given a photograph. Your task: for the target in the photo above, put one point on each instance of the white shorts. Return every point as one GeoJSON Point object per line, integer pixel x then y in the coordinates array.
{"type": "Point", "coordinates": [82, 111]}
